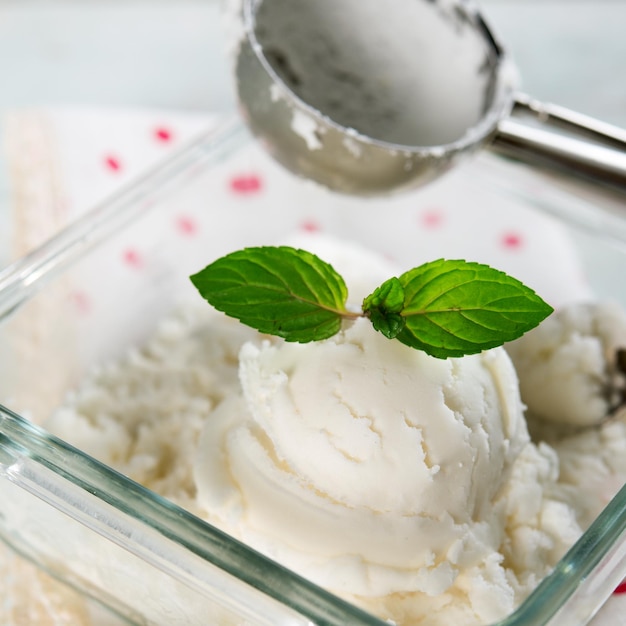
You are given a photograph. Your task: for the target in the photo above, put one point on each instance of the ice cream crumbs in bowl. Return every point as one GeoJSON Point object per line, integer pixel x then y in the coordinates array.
{"type": "Point", "coordinates": [182, 467]}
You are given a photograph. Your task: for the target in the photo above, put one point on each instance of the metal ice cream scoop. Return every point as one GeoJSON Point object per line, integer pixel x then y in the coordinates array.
{"type": "Point", "coordinates": [367, 97]}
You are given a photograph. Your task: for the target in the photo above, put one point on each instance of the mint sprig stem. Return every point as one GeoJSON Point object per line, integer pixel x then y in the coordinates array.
{"type": "Point", "coordinates": [447, 308]}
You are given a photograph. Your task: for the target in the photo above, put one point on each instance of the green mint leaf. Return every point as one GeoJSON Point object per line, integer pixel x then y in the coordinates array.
{"type": "Point", "coordinates": [384, 306]}
{"type": "Point", "coordinates": [454, 308]}
{"type": "Point", "coordinates": [445, 308]}
{"type": "Point", "coordinates": [276, 290]}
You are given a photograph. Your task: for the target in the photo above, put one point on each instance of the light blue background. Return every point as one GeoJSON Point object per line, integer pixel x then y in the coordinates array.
{"type": "Point", "coordinates": [169, 54]}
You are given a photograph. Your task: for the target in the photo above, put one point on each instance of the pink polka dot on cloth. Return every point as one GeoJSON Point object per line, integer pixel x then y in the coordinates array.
{"type": "Point", "coordinates": [246, 184]}
{"type": "Point", "coordinates": [310, 226]}
{"type": "Point", "coordinates": [163, 134]}
{"type": "Point", "coordinates": [432, 218]}
{"type": "Point", "coordinates": [512, 241]}
{"type": "Point", "coordinates": [112, 163]}
{"type": "Point", "coordinates": [132, 258]}
{"type": "Point", "coordinates": [80, 301]}
{"type": "Point", "coordinates": [186, 225]}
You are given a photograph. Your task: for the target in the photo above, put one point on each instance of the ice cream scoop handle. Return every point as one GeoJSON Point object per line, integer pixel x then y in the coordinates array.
{"type": "Point", "coordinates": [552, 137]}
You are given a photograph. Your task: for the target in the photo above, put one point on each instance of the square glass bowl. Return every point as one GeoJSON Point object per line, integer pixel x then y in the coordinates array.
{"type": "Point", "coordinates": [103, 284]}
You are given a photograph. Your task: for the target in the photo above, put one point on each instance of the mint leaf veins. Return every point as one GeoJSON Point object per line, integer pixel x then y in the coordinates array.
{"type": "Point", "coordinates": [447, 308]}
{"type": "Point", "coordinates": [277, 290]}
{"type": "Point", "coordinates": [453, 308]}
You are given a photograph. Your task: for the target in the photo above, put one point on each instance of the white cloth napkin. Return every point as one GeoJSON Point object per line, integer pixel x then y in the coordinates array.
{"type": "Point", "coordinates": [64, 161]}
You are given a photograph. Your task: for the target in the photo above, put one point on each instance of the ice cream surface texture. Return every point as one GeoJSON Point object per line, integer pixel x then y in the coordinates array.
{"type": "Point", "coordinates": [388, 461]}
{"type": "Point", "coordinates": [575, 350]}
{"type": "Point", "coordinates": [405, 483]}
{"type": "Point", "coordinates": [385, 475]}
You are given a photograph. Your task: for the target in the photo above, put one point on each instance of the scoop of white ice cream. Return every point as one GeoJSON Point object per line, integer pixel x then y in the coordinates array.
{"type": "Point", "coordinates": [367, 464]}
{"type": "Point", "coordinates": [566, 365]}
{"type": "Point", "coordinates": [404, 483]}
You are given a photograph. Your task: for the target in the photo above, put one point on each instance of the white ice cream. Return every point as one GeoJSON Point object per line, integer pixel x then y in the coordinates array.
{"type": "Point", "coordinates": [404, 483]}
{"type": "Point", "coordinates": [574, 385]}
{"type": "Point", "coordinates": [144, 413]}
{"type": "Point", "coordinates": [389, 462]}
{"type": "Point", "coordinates": [574, 352]}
